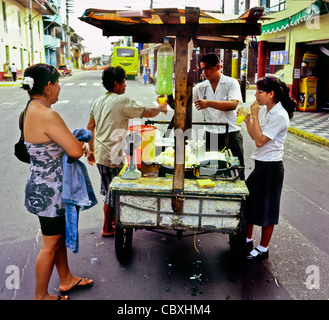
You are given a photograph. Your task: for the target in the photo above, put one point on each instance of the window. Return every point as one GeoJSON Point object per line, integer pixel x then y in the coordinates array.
{"type": "Point", "coordinates": [277, 5]}
{"type": "Point", "coordinates": [272, 6]}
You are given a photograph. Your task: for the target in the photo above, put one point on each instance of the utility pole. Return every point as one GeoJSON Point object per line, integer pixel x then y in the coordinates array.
{"type": "Point", "coordinates": [68, 6]}
{"type": "Point", "coordinates": [31, 34]}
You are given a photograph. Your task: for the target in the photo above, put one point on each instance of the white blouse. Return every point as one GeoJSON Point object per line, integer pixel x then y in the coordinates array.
{"type": "Point", "coordinates": [274, 125]}
{"type": "Point", "coordinates": [227, 89]}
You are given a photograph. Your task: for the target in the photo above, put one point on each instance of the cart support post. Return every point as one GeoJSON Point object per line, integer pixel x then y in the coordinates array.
{"type": "Point", "coordinates": [181, 99]}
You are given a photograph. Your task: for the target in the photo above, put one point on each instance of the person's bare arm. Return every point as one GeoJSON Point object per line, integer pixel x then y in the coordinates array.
{"type": "Point", "coordinates": [219, 105]}
{"type": "Point", "coordinates": [153, 112]}
{"type": "Point", "coordinates": [57, 131]}
{"type": "Point", "coordinates": [253, 127]}
{"type": "Point", "coordinates": [91, 157]}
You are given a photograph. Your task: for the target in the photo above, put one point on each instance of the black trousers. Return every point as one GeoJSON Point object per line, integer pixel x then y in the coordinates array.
{"type": "Point", "coordinates": [216, 142]}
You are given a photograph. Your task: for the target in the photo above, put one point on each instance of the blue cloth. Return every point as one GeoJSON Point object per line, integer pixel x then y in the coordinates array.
{"type": "Point", "coordinates": [77, 193]}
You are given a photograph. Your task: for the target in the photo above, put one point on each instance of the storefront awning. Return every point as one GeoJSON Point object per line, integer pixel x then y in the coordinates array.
{"type": "Point", "coordinates": [317, 8]}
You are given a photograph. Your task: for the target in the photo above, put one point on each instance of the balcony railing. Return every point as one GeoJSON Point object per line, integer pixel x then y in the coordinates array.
{"type": "Point", "coordinates": [51, 42]}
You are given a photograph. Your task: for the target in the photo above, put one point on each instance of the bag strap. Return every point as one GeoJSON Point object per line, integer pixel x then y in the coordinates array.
{"type": "Point", "coordinates": [22, 118]}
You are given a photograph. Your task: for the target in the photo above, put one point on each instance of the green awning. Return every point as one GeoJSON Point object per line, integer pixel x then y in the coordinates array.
{"type": "Point", "coordinates": [319, 7]}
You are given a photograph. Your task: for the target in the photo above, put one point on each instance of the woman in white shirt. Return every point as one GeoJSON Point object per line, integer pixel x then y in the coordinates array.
{"type": "Point", "coordinates": [267, 126]}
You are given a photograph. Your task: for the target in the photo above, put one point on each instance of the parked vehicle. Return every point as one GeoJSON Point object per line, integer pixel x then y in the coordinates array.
{"type": "Point", "coordinates": [64, 70]}
{"type": "Point", "coordinates": [127, 58]}
{"type": "Point", "coordinates": [279, 74]}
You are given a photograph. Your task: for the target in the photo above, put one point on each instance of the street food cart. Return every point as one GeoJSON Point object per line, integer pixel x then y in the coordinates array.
{"type": "Point", "coordinates": [177, 202]}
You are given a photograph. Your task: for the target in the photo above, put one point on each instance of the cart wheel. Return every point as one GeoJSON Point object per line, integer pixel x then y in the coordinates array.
{"type": "Point", "coordinates": [238, 242]}
{"type": "Point", "coordinates": [238, 246]}
{"type": "Point", "coordinates": [123, 241]}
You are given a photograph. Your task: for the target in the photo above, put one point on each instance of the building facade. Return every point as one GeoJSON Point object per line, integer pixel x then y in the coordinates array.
{"type": "Point", "coordinates": [296, 40]}
{"type": "Point", "coordinates": [22, 34]}
{"type": "Point", "coordinates": [32, 32]}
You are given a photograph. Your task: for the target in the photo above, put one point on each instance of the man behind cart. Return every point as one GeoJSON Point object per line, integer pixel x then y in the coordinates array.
{"type": "Point", "coordinates": [218, 97]}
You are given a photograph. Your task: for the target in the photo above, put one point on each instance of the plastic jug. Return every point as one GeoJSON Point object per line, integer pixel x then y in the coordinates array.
{"type": "Point", "coordinates": [146, 151]}
{"type": "Point", "coordinates": [165, 67]}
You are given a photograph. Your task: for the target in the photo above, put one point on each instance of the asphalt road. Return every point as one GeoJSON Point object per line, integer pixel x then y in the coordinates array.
{"type": "Point", "coordinates": [163, 267]}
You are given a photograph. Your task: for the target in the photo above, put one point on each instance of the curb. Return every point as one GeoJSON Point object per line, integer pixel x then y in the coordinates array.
{"type": "Point", "coordinates": [10, 84]}
{"type": "Point", "coordinates": [309, 136]}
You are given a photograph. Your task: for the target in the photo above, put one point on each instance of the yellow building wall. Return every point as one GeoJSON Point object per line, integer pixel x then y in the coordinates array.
{"type": "Point", "coordinates": [19, 38]}
{"type": "Point", "coordinates": [314, 29]}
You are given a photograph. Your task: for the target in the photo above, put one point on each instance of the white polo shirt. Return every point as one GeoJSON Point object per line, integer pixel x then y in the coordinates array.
{"type": "Point", "coordinates": [274, 125]}
{"type": "Point", "coordinates": [227, 89]}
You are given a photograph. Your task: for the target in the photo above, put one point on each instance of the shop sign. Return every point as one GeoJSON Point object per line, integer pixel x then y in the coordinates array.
{"type": "Point", "coordinates": [310, 59]}
{"type": "Point", "coordinates": [278, 57]}
{"type": "Point", "coordinates": [296, 73]}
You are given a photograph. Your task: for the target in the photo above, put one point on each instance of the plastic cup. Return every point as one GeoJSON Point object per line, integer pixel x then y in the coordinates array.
{"type": "Point", "coordinates": [242, 112]}
{"type": "Point", "coordinates": [162, 100]}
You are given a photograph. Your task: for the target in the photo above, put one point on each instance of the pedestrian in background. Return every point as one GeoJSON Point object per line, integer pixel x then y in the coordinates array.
{"type": "Point", "coordinates": [109, 119]}
{"type": "Point", "coordinates": [14, 71]}
{"type": "Point", "coordinates": [145, 74]}
{"type": "Point", "coordinates": [47, 138]}
{"type": "Point", "coordinates": [218, 97]}
{"type": "Point", "coordinates": [267, 125]}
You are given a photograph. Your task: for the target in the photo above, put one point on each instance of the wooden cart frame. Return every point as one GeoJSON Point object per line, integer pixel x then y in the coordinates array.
{"type": "Point", "coordinates": [205, 29]}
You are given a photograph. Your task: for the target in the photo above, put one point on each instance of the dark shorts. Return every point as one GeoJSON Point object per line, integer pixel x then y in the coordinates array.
{"type": "Point", "coordinates": [265, 187]}
{"type": "Point", "coordinates": [107, 175]}
{"type": "Point", "coordinates": [52, 226]}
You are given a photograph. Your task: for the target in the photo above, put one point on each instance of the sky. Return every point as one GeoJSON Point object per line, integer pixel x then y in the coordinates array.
{"type": "Point", "coordinates": [97, 44]}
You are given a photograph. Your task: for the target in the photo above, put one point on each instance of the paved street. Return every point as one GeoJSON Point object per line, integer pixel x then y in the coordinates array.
{"type": "Point", "coordinates": [162, 267]}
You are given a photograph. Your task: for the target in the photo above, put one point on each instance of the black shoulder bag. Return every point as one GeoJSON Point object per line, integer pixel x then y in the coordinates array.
{"type": "Point", "coordinates": [20, 147]}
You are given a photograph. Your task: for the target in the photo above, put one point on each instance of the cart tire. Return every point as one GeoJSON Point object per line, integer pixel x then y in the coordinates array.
{"type": "Point", "coordinates": [123, 241]}
{"type": "Point", "coordinates": [238, 246]}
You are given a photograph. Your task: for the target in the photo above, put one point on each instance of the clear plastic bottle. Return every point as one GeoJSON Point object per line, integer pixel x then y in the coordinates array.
{"type": "Point", "coordinates": [165, 67]}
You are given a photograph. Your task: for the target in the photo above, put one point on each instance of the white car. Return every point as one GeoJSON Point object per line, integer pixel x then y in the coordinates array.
{"type": "Point", "coordinates": [279, 74]}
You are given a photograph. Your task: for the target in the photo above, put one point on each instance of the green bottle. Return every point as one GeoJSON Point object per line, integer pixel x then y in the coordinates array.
{"type": "Point", "coordinates": [165, 67]}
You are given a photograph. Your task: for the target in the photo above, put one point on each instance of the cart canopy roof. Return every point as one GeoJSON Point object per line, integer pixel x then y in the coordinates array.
{"type": "Point", "coordinates": [151, 26]}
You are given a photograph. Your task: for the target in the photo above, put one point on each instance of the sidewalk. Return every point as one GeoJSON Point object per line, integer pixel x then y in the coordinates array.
{"type": "Point", "coordinates": [10, 83]}
{"type": "Point", "coordinates": [313, 126]}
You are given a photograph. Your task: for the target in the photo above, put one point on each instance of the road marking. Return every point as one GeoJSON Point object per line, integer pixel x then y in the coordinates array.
{"type": "Point", "coordinates": [69, 84]}
{"type": "Point", "coordinates": [9, 103]}
{"type": "Point", "coordinates": [63, 101]}
{"type": "Point", "coordinates": [82, 84]}
{"type": "Point", "coordinates": [96, 84]}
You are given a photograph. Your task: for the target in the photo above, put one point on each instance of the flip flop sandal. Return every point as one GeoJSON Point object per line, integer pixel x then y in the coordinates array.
{"type": "Point", "coordinates": [77, 286]}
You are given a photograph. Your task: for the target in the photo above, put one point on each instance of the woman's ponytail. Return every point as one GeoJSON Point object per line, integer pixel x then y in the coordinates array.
{"type": "Point", "coordinates": [281, 92]}
{"type": "Point", "coordinates": [287, 101]}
